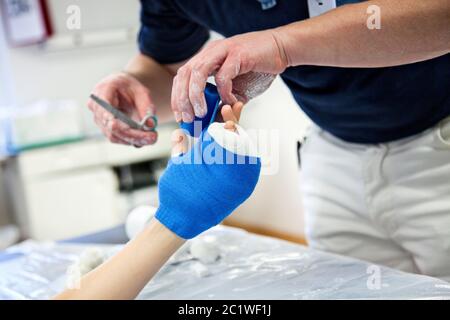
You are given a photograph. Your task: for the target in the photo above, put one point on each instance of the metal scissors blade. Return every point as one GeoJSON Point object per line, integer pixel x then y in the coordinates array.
{"type": "Point", "coordinates": [125, 118]}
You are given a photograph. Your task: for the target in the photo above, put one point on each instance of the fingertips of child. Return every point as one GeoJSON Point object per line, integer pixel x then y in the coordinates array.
{"type": "Point", "coordinates": [227, 113]}
{"type": "Point", "coordinates": [179, 143]}
{"type": "Point", "coordinates": [230, 125]}
{"type": "Point", "coordinates": [237, 109]}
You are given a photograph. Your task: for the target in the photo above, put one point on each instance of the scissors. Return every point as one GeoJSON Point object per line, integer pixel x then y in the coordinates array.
{"type": "Point", "coordinates": [126, 119]}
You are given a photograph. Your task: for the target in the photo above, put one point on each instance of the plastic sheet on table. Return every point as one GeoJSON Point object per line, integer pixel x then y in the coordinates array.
{"type": "Point", "coordinates": [250, 267]}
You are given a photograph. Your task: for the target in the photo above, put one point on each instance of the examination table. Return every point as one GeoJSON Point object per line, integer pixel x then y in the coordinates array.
{"type": "Point", "coordinates": [250, 267]}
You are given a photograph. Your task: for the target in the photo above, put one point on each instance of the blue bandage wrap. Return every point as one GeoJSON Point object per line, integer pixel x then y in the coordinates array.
{"type": "Point", "coordinates": [202, 187]}
{"type": "Point", "coordinates": [195, 128]}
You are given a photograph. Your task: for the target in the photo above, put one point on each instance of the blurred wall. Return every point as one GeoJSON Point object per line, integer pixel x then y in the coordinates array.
{"type": "Point", "coordinates": [5, 99]}
{"type": "Point", "coordinates": [4, 212]}
{"type": "Point", "coordinates": [6, 91]}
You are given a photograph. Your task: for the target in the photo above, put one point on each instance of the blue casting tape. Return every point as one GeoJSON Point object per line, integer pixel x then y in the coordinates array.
{"type": "Point", "coordinates": [196, 193]}
{"type": "Point", "coordinates": [196, 127]}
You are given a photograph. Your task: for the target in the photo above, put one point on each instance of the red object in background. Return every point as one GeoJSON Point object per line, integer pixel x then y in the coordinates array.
{"type": "Point", "coordinates": [26, 21]}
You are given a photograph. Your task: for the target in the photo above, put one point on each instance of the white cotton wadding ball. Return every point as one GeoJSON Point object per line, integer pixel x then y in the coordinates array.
{"type": "Point", "coordinates": [200, 270]}
{"type": "Point", "coordinates": [180, 255]}
{"type": "Point", "coordinates": [92, 258]}
{"type": "Point", "coordinates": [205, 252]}
{"type": "Point", "coordinates": [88, 260]}
{"type": "Point", "coordinates": [73, 276]}
{"type": "Point", "coordinates": [137, 219]}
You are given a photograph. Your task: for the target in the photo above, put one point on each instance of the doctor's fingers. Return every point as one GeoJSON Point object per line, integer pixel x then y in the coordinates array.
{"type": "Point", "coordinates": [138, 102]}
{"type": "Point", "coordinates": [109, 135]}
{"type": "Point", "coordinates": [190, 82]}
{"type": "Point", "coordinates": [180, 95]}
{"type": "Point", "coordinates": [115, 128]}
{"type": "Point", "coordinates": [230, 69]}
{"type": "Point", "coordinates": [106, 91]}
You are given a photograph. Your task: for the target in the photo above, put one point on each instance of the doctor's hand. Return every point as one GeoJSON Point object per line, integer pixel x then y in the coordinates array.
{"type": "Point", "coordinates": [244, 66]}
{"type": "Point", "coordinates": [131, 97]}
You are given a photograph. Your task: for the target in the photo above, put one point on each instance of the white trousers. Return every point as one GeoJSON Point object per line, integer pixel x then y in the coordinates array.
{"type": "Point", "coordinates": [388, 203]}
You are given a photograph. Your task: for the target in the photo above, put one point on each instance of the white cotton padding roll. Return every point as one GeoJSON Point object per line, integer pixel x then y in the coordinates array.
{"type": "Point", "coordinates": [137, 219]}
{"type": "Point", "coordinates": [90, 259]}
{"type": "Point", "coordinates": [87, 261]}
{"type": "Point", "coordinates": [199, 269]}
{"type": "Point", "coordinates": [238, 142]}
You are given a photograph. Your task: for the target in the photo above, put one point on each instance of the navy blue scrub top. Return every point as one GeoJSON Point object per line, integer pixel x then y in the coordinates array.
{"type": "Point", "coordinates": [363, 105]}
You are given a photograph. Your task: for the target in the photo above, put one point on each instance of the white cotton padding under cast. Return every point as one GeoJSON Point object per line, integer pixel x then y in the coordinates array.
{"type": "Point", "coordinates": [238, 142]}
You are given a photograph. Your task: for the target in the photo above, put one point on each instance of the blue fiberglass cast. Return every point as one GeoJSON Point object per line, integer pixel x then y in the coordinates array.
{"type": "Point", "coordinates": [203, 186]}
{"type": "Point", "coordinates": [196, 127]}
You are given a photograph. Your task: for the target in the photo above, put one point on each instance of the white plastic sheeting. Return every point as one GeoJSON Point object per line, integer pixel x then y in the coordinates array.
{"type": "Point", "coordinates": [249, 267]}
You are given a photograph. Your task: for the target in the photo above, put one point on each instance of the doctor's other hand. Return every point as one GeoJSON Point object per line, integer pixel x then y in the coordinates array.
{"type": "Point", "coordinates": [244, 66]}
{"type": "Point", "coordinates": [130, 96]}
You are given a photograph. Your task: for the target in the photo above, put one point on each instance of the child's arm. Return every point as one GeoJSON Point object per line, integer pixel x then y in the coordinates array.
{"type": "Point", "coordinates": [125, 274]}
